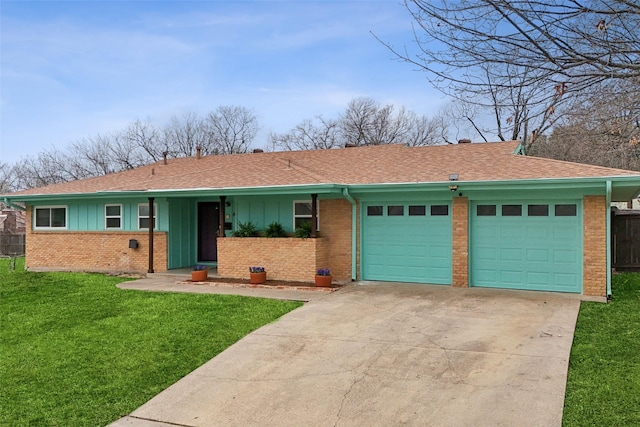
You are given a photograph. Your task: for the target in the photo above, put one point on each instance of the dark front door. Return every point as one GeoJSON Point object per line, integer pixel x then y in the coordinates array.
{"type": "Point", "coordinates": [208, 221]}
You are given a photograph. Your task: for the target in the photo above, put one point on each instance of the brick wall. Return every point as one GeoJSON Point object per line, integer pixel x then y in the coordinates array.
{"type": "Point", "coordinates": [460, 243]}
{"type": "Point", "coordinates": [335, 229]}
{"type": "Point", "coordinates": [283, 258]}
{"type": "Point", "coordinates": [595, 246]}
{"type": "Point", "coordinates": [96, 251]}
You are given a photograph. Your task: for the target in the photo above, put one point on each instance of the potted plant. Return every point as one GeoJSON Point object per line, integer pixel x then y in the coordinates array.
{"type": "Point", "coordinates": [199, 273]}
{"type": "Point", "coordinates": [257, 275]}
{"type": "Point", "coordinates": [323, 277]}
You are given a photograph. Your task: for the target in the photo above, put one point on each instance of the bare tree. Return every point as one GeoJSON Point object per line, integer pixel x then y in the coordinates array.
{"type": "Point", "coordinates": [598, 130]}
{"type": "Point", "coordinates": [522, 58]}
{"type": "Point", "coordinates": [364, 122]}
{"type": "Point", "coordinates": [183, 134]}
{"type": "Point", "coordinates": [232, 129]}
{"type": "Point", "coordinates": [322, 134]}
{"type": "Point", "coordinates": [7, 178]}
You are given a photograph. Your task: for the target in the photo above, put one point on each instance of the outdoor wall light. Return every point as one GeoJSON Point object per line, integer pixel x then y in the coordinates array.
{"type": "Point", "coordinates": [453, 177]}
{"type": "Point", "coordinates": [453, 187]}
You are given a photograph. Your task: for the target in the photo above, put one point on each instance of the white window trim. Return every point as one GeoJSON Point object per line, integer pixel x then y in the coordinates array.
{"type": "Point", "coordinates": [106, 227]}
{"type": "Point", "coordinates": [304, 216]}
{"type": "Point", "coordinates": [155, 208]}
{"type": "Point", "coordinates": [66, 217]}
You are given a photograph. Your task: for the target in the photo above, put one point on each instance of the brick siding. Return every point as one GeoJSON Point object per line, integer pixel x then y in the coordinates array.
{"type": "Point", "coordinates": [283, 258]}
{"type": "Point", "coordinates": [595, 246]}
{"type": "Point", "coordinates": [335, 229]}
{"type": "Point", "coordinates": [460, 244]}
{"type": "Point", "coordinates": [95, 251]}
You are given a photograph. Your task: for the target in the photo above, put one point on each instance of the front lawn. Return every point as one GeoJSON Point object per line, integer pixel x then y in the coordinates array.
{"type": "Point", "coordinates": [75, 350]}
{"type": "Point", "coordinates": [603, 388]}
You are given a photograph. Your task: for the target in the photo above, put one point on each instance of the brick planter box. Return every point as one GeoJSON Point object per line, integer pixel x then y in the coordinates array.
{"type": "Point", "coordinates": [283, 258]}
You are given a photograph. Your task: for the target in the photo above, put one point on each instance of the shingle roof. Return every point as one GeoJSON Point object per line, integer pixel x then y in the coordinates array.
{"type": "Point", "coordinates": [350, 166]}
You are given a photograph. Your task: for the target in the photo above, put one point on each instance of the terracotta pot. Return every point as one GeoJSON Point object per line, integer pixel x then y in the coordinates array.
{"type": "Point", "coordinates": [257, 278]}
{"type": "Point", "coordinates": [323, 281]}
{"type": "Point", "coordinates": [198, 275]}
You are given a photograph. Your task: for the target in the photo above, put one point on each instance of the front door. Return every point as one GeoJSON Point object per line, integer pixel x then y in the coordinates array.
{"type": "Point", "coordinates": [208, 223]}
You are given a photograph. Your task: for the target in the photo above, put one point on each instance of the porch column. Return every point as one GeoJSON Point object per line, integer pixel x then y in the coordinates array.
{"type": "Point", "coordinates": [314, 215]}
{"type": "Point", "coordinates": [222, 215]}
{"type": "Point", "coordinates": [152, 222]}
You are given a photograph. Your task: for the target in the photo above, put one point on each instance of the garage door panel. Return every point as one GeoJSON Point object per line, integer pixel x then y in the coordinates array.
{"type": "Point", "coordinates": [537, 255]}
{"type": "Point", "coordinates": [406, 248]}
{"type": "Point", "coordinates": [522, 252]}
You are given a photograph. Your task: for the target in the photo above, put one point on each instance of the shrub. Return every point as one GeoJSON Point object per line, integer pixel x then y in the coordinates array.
{"type": "Point", "coordinates": [246, 229]}
{"type": "Point", "coordinates": [275, 229]}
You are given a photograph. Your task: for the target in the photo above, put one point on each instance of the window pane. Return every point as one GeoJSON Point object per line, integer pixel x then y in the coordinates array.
{"type": "Point", "coordinates": [112, 210]}
{"type": "Point", "coordinates": [486, 210]}
{"type": "Point", "coordinates": [42, 217]}
{"type": "Point", "coordinates": [566, 210]}
{"type": "Point", "coordinates": [143, 210]}
{"type": "Point", "coordinates": [419, 210]}
{"type": "Point", "coordinates": [395, 210]}
{"type": "Point", "coordinates": [439, 210]}
{"type": "Point", "coordinates": [303, 208]}
{"type": "Point", "coordinates": [143, 223]}
{"type": "Point", "coordinates": [538, 210]}
{"type": "Point", "coordinates": [374, 210]}
{"type": "Point", "coordinates": [113, 222]}
{"type": "Point", "coordinates": [58, 217]}
{"type": "Point", "coordinates": [511, 210]}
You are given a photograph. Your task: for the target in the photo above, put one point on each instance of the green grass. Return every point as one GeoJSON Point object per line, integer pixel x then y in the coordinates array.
{"type": "Point", "coordinates": [77, 351]}
{"type": "Point", "coordinates": [603, 387]}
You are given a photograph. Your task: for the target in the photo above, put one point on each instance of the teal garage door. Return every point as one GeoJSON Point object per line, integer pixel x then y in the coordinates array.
{"type": "Point", "coordinates": [524, 245]}
{"type": "Point", "coordinates": [407, 242]}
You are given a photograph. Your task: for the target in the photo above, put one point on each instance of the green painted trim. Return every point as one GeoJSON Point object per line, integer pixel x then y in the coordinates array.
{"type": "Point", "coordinates": [354, 232]}
{"type": "Point", "coordinates": [520, 149]}
{"type": "Point", "coordinates": [608, 231]}
{"type": "Point", "coordinates": [6, 201]}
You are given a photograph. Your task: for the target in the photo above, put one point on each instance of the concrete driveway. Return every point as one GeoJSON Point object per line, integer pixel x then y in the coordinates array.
{"type": "Point", "coordinates": [386, 355]}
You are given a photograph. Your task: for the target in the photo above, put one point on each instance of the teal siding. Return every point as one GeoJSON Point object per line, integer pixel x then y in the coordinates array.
{"type": "Point", "coordinates": [89, 215]}
{"type": "Point", "coordinates": [262, 211]}
{"type": "Point", "coordinates": [406, 248]}
{"type": "Point", "coordinates": [182, 233]}
{"type": "Point", "coordinates": [526, 252]}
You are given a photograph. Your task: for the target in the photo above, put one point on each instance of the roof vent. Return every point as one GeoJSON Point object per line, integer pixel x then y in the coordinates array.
{"type": "Point", "coordinates": [164, 156]}
{"type": "Point", "coordinates": [350, 145]}
{"type": "Point", "coordinates": [258, 150]}
{"type": "Point", "coordinates": [198, 152]}
{"type": "Point", "coordinates": [464, 141]}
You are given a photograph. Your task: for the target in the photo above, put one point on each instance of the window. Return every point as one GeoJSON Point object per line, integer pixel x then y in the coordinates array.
{"type": "Point", "coordinates": [417, 210]}
{"type": "Point", "coordinates": [511, 210]}
{"type": "Point", "coordinates": [486, 210]}
{"type": "Point", "coordinates": [374, 210]}
{"type": "Point", "coordinates": [113, 216]}
{"type": "Point", "coordinates": [395, 210]}
{"type": "Point", "coordinates": [302, 213]}
{"type": "Point", "coordinates": [566, 210]}
{"type": "Point", "coordinates": [50, 217]}
{"type": "Point", "coordinates": [439, 210]}
{"type": "Point", "coordinates": [538, 210]}
{"type": "Point", "coordinates": [143, 216]}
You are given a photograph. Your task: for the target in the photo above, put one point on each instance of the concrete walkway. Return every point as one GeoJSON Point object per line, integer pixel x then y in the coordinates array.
{"type": "Point", "coordinates": [386, 355]}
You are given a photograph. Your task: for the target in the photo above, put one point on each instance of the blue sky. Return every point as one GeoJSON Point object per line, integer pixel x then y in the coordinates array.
{"type": "Point", "coordinates": [75, 69]}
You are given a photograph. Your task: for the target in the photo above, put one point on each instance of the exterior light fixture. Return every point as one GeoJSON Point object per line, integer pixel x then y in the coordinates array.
{"type": "Point", "coordinates": [453, 177]}
{"type": "Point", "coordinates": [453, 187]}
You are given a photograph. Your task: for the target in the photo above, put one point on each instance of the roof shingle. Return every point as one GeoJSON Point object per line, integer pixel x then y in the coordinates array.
{"type": "Point", "coordinates": [349, 166]}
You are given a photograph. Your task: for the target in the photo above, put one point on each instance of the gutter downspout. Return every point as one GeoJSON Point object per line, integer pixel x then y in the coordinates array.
{"type": "Point", "coordinates": [608, 198]}
{"type": "Point", "coordinates": [10, 204]}
{"type": "Point", "coordinates": [354, 229]}
{"type": "Point", "coordinates": [152, 225]}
